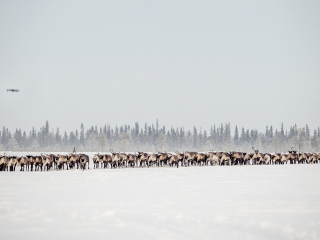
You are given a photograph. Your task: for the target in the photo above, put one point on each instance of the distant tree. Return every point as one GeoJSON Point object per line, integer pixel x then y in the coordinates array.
{"type": "Point", "coordinates": [195, 137]}
{"type": "Point", "coordinates": [276, 143]}
{"type": "Point", "coordinates": [124, 140]}
{"type": "Point", "coordinates": [157, 128]}
{"type": "Point", "coordinates": [257, 144]}
{"type": "Point", "coordinates": [65, 139]}
{"type": "Point", "coordinates": [72, 139]}
{"type": "Point", "coordinates": [13, 145]}
{"type": "Point", "coordinates": [102, 139]}
{"type": "Point", "coordinates": [300, 135]}
{"type": "Point", "coordinates": [57, 137]}
{"type": "Point", "coordinates": [82, 135]}
{"type": "Point", "coordinates": [116, 133]}
{"type": "Point", "coordinates": [162, 140]}
{"type": "Point", "coordinates": [92, 140]}
{"type": "Point", "coordinates": [315, 142]}
{"type": "Point", "coordinates": [220, 138]}
{"type": "Point", "coordinates": [236, 136]}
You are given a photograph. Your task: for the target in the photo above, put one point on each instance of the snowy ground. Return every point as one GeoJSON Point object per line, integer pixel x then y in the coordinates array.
{"type": "Point", "coordinates": [237, 202]}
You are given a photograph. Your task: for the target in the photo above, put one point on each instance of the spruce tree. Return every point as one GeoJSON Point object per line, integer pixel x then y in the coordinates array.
{"type": "Point", "coordinates": [236, 136]}
{"type": "Point", "coordinates": [82, 135]}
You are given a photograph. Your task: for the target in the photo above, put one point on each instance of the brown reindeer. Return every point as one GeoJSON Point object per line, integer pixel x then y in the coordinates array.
{"type": "Point", "coordinates": [257, 157]}
{"type": "Point", "coordinates": [73, 160]}
{"type": "Point", "coordinates": [4, 163]}
{"type": "Point", "coordinates": [12, 163]}
{"type": "Point", "coordinates": [225, 158]}
{"type": "Point", "coordinates": [132, 160]}
{"type": "Point", "coordinates": [292, 156]}
{"type": "Point", "coordinates": [163, 158]}
{"type": "Point", "coordinates": [237, 158]}
{"type": "Point", "coordinates": [115, 159]}
{"type": "Point", "coordinates": [32, 160]}
{"type": "Point", "coordinates": [22, 162]}
{"type": "Point", "coordinates": [96, 161]}
{"type": "Point", "coordinates": [276, 158]}
{"type": "Point", "coordinates": [267, 158]}
{"type": "Point", "coordinates": [189, 158]}
{"type": "Point", "coordinates": [153, 159]}
{"type": "Point", "coordinates": [246, 158]}
{"type": "Point", "coordinates": [38, 163]}
{"type": "Point", "coordinates": [213, 158]}
{"type": "Point", "coordinates": [302, 158]}
{"type": "Point", "coordinates": [47, 162]}
{"type": "Point", "coordinates": [63, 160]}
{"type": "Point", "coordinates": [123, 160]}
{"type": "Point", "coordinates": [201, 159]}
{"type": "Point", "coordinates": [179, 158]}
{"type": "Point", "coordinates": [143, 158]}
{"type": "Point", "coordinates": [312, 158]}
{"type": "Point", "coordinates": [83, 160]}
{"type": "Point", "coordinates": [284, 159]}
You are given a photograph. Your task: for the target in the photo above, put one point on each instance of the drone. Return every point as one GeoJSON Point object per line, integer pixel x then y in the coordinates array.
{"type": "Point", "coordinates": [13, 90]}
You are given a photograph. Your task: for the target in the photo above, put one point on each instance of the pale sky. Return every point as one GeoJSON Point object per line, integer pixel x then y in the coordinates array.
{"type": "Point", "coordinates": [186, 63]}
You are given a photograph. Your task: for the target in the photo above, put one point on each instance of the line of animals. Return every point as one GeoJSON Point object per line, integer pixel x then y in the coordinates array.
{"type": "Point", "coordinates": [159, 159]}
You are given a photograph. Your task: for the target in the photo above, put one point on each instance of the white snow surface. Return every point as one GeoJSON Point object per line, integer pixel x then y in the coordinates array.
{"type": "Point", "coordinates": [212, 202]}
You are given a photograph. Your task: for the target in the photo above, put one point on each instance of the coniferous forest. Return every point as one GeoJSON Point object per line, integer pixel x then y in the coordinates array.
{"type": "Point", "coordinates": [150, 137]}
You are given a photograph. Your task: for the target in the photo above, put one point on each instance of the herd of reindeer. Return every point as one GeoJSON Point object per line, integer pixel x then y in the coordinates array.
{"type": "Point", "coordinates": [159, 159]}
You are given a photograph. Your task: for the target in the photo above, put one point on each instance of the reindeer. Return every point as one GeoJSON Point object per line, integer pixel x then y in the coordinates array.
{"type": "Point", "coordinates": [257, 157]}
{"type": "Point", "coordinates": [213, 158]}
{"type": "Point", "coordinates": [12, 163]}
{"type": "Point", "coordinates": [73, 160]}
{"type": "Point", "coordinates": [83, 160]}
{"type": "Point", "coordinates": [63, 160]}
{"type": "Point", "coordinates": [312, 158]}
{"type": "Point", "coordinates": [201, 159]}
{"type": "Point", "coordinates": [318, 157]}
{"type": "Point", "coordinates": [32, 160]}
{"type": "Point", "coordinates": [143, 159]}
{"type": "Point", "coordinates": [163, 158]}
{"type": "Point", "coordinates": [105, 160]}
{"type": "Point", "coordinates": [276, 158]}
{"type": "Point", "coordinates": [123, 160]}
{"type": "Point", "coordinates": [179, 158]}
{"type": "Point", "coordinates": [237, 158]}
{"type": "Point", "coordinates": [302, 158]}
{"type": "Point", "coordinates": [225, 158]}
{"type": "Point", "coordinates": [132, 160]}
{"type": "Point", "coordinates": [96, 161]}
{"type": "Point", "coordinates": [47, 162]}
{"type": "Point", "coordinates": [292, 156]}
{"type": "Point", "coordinates": [189, 158]}
{"type": "Point", "coordinates": [247, 157]}
{"type": "Point", "coordinates": [267, 158]}
{"type": "Point", "coordinates": [115, 159]}
{"type": "Point", "coordinates": [284, 159]}
{"type": "Point", "coordinates": [38, 163]}
{"type": "Point", "coordinates": [4, 163]}
{"type": "Point", "coordinates": [22, 162]}
{"type": "Point", "coordinates": [153, 159]}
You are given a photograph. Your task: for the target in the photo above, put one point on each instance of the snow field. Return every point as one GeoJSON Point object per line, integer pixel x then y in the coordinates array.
{"type": "Point", "coordinates": [214, 202]}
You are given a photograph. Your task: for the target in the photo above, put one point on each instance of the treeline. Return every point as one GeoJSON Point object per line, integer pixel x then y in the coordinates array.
{"type": "Point", "coordinates": [151, 137]}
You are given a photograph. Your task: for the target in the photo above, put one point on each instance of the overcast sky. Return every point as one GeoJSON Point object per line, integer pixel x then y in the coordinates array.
{"type": "Point", "coordinates": [187, 63]}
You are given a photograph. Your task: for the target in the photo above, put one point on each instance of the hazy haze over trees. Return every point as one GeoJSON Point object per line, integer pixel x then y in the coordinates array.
{"type": "Point", "coordinates": [151, 137]}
